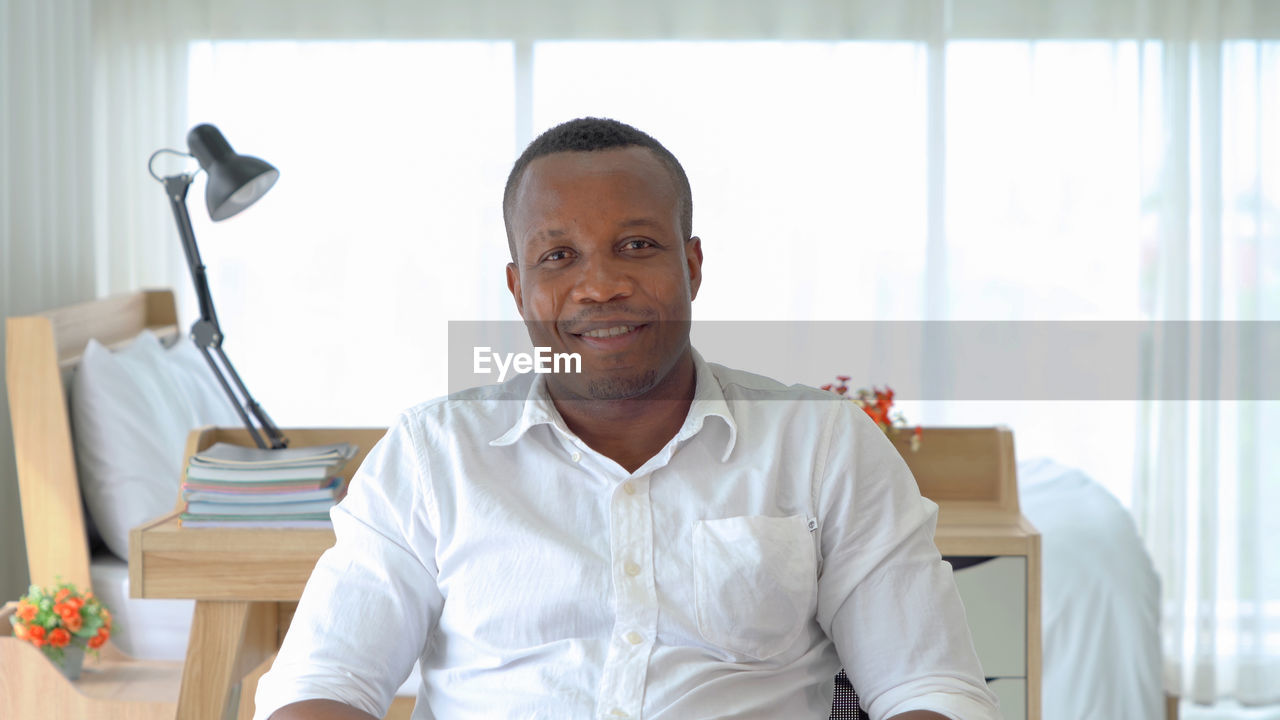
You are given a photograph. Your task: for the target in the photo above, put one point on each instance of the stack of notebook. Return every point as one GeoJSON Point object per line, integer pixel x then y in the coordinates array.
{"type": "Point", "coordinates": [235, 486]}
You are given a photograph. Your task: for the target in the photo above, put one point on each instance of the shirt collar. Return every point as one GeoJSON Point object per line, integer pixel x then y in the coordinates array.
{"type": "Point", "coordinates": [708, 400]}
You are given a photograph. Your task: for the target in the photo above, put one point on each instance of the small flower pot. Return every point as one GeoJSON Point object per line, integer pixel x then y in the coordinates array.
{"type": "Point", "coordinates": [72, 661]}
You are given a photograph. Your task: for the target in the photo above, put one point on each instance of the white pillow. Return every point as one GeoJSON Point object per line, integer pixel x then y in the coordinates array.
{"type": "Point", "coordinates": [131, 412]}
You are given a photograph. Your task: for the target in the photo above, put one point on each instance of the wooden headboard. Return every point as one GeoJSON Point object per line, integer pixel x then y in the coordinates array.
{"type": "Point", "coordinates": [42, 352]}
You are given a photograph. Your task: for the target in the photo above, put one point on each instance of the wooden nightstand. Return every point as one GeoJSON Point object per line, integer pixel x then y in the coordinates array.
{"type": "Point", "coordinates": [971, 474]}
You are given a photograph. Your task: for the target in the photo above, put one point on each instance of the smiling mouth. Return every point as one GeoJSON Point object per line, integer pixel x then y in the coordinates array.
{"type": "Point", "coordinates": [609, 332]}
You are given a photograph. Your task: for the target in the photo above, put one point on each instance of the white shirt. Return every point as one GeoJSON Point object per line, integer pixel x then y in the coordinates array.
{"type": "Point", "coordinates": [776, 535]}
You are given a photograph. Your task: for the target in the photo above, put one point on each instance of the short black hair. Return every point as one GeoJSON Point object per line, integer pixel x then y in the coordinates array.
{"type": "Point", "coordinates": [586, 135]}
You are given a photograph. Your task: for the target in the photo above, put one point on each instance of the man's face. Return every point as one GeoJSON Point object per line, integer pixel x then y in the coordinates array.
{"type": "Point", "coordinates": [603, 269]}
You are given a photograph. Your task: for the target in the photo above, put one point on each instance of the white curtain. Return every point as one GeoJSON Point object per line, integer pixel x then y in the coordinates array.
{"type": "Point", "coordinates": [87, 92]}
{"type": "Point", "coordinates": [1207, 490]}
{"type": "Point", "coordinates": [46, 212]}
{"type": "Point", "coordinates": [930, 159]}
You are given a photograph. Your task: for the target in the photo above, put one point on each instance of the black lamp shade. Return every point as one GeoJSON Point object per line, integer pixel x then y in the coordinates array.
{"type": "Point", "coordinates": [235, 181]}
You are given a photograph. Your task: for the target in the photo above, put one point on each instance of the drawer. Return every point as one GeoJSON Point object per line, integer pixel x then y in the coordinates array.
{"type": "Point", "coordinates": [1013, 697]}
{"type": "Point", "coordinates": [994, 593]}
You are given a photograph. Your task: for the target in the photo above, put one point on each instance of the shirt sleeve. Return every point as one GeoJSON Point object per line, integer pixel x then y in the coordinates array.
{"type": "Point", "coordinates": [885, 597]}
{"type": "Point", "coordinates": [372, 601]}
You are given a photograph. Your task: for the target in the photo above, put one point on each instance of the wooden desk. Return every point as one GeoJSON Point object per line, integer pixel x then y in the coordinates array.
{"type": "Point", "coordinates": [246, 582]}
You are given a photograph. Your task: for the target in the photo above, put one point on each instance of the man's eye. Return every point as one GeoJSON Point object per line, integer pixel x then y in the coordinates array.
{"type": "Point", "coordinates": [556, 255]}
{"type": "Point", "coordinates": [639, 244]}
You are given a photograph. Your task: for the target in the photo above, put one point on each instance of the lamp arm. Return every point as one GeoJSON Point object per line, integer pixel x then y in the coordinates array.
{"type": "Point", "coordinates": [207, 352]}
{"type": "Point", "coordinates": [175, 188]}
{"type": "Point", "coordinates": [275, 439]}
{"type": "Point", "coordinates": [206, 333]}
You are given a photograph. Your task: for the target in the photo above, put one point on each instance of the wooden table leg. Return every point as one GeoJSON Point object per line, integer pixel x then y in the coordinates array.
{"type": "Point", "coordinates": [228, 639]}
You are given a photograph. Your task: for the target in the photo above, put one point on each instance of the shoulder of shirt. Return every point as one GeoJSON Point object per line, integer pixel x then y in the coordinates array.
{"type": "Point", "coordinates": [798, 406]}
{"type": "Point", "coordinates": [743, 385]}
{"type": "Point", "coordinates": [493, 404]}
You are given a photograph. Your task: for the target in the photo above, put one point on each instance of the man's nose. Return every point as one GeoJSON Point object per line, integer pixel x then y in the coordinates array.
{"type": "Point", "coordinates": [601, 279]}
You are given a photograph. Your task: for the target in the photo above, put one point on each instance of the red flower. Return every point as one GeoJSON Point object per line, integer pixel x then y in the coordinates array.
{"type": "Point", "coordinates": [59, 637]}
{"type": "Point", "coordinates": [35, 634]}
{"type": "Point", "coordinates": [96, 641]}
{"type": "Point", "coordinates": [66, 611]}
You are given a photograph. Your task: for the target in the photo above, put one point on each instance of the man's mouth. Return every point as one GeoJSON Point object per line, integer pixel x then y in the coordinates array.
{"type": "Point", "coordinates": [609, 332]}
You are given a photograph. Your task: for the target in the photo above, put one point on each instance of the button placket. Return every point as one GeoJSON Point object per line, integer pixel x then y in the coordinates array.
{"type": "Point", "coordinates": [622, 681]}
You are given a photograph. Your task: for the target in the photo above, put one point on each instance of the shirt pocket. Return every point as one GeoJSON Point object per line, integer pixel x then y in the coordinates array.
{"type": "Point", "coordinates": [755, 582]}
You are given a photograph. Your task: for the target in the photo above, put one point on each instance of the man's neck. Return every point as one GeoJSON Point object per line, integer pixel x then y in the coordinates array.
{"type": "Point", "coordinates": [633, 430]}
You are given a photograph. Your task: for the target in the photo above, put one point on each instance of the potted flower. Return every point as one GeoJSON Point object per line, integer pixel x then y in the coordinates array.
{"type": "Point", "coordinates": [63, 623]}
{"type": "Point", "coordinates": [878, 404]}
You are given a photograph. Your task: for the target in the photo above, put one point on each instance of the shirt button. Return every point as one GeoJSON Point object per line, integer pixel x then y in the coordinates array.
{"type": "Point", "coordinates": [619, 713]}
{"type": "Point", "coordinates": [634, 638]}
{"type": "Point", "coordinates": [631, 568]}
{"type": "Point", "coordinates": [576, 456]}
{"type": "Point", "coordinates": [629, 488]}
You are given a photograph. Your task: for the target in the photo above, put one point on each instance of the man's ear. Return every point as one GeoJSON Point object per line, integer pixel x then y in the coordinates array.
{"type": "Point", "coordinates": [513, 285]}
{"type": "Point", "coordinates": [693, 257]}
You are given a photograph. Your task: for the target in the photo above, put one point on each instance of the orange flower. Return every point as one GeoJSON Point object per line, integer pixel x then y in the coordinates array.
{"type": "Point", "coordinates": [66, 611]}
{"type": "Point", "coordinates": [26, 611]}
{"type": "Point", "coordinates": [106, 618]}
{"type": "Point", "coordinates": [73, 622]}
{"type": "Point", "coordinates": [62, 595]}
{"type": "Point", "coordinates": [35, 634]}
{"type": "Point", "coordinates": [96, 641]}
{"type": "Point", "coordinates": [20, 631]}
{"type": "Point", "coordinates": [59, 637]}
{"type": "Point", "coordinates": [75, 602]}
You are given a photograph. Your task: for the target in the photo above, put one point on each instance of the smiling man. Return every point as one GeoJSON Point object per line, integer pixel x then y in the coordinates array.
{"type": "Point", "coordinates": [654, 537]}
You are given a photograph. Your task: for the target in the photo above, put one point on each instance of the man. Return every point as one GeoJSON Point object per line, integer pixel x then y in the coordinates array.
{"type": "Point", "coordinates": [654, 537]}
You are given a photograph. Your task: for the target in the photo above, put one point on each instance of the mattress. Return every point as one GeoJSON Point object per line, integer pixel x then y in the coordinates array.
{"type": "Point", "coordinates": [145, 628]}
{"type": "Point", "coordinates": [1099, 602]}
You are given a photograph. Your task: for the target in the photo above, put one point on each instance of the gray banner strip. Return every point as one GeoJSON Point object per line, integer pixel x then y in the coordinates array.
{"type": "Point", "coordinates": [967, 360]}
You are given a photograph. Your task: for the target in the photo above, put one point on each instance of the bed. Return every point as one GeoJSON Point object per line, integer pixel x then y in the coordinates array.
{"type": "Point", "coordinates": [139, 673]}
{"type": "Point", "coordinates": [1100, 598]}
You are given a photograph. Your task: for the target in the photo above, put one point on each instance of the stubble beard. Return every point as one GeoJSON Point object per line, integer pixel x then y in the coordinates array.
{"type": "Point", "coordinates": [621, 388]}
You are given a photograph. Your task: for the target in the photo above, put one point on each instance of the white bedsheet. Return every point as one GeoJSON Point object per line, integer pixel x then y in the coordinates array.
{"type": "Point", "coordinates": [1099, 601]}
{"type": "Point", "coordinates": [146, 628]}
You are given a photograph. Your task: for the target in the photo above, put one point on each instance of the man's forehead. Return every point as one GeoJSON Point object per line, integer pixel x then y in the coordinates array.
{"type": "Point", "coordinates": [630, 175]}
{"type": "Point", "coordinates": [591, 164]}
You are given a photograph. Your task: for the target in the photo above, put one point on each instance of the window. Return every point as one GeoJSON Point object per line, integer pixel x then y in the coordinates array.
{"type": "Point", "coordinates": [335, 289]}
{"type": "Point", "coordinates": [812, 169]}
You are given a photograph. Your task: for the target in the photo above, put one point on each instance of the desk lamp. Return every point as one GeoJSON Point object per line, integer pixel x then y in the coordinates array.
{"type": "Point", "coordinates": [235, 182]}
